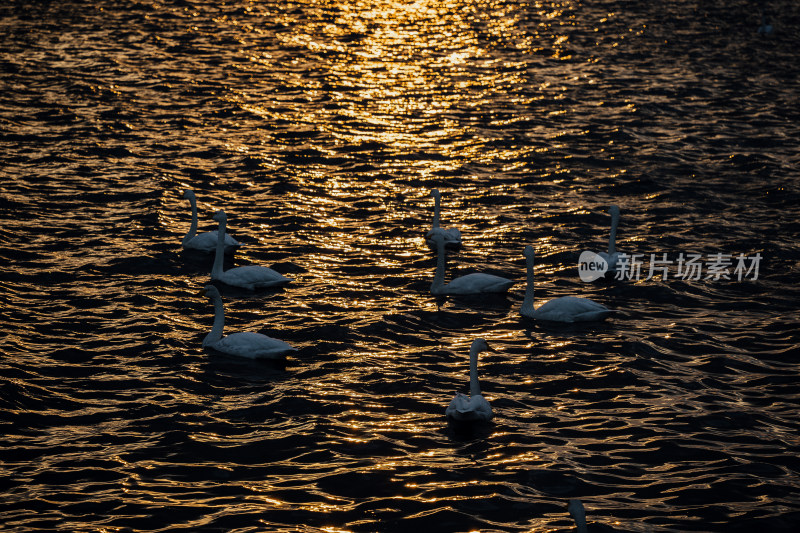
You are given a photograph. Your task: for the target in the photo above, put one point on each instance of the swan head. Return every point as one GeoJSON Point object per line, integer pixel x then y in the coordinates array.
{"type": "Point", "coordinates": [613, 210]}
{"type": "Point", "coordinates": [188, 194]}
{"type": "Point", "coordinates": [210, 291]}
{"type": "Point", "coordinates": [479, 345]}
{"type": "Point", "coordinates": [576, 507]}
{"type": "Point", "coordinates": [220, 216]}
{"type": "Point", "coordinates": [435, 193]}
{"type": "Point", "coordinates": [528, 253]}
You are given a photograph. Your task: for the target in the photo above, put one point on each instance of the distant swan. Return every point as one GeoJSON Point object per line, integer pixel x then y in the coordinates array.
{"type": "Point", "coordinates": [472, 408]}
{"type": "Point", "coordinates": [612, 256]}
{"type": "Point", "coordinates": [452, 236]}
{"type": "Point", "coordinates": [248, 277]}
{"type": "Point", "coordinates": [241, 344]}
{"type": "Point", "coordinates": [765, 28]}
{"type": "Point", "coordinates": [205, 242]}
{"type": "Point", "coordinates": [564, 309]}
{"type": "Point", "coordinates": [578, 513]}
{"type": "Point", "coordinates": [476, 283]}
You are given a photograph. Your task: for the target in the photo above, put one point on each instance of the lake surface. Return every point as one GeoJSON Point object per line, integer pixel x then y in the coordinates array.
{"type": "Point", "coordinates": [320, 127]}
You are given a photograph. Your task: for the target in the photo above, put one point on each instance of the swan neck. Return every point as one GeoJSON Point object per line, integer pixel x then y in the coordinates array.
{"type": "Point", "coordinates": [193, 227]}
{"type": "Point", "coordinates": [219, 255]}
{"type": "Point", "coordinates": [219, 323]}
{"type": "Point", "coordinates": [436, 208]}
{"type": "Point", "coordinates": [474, 386]}
{"type": "Point", "coordinates": [579, 515]}
{"type": "Point", "coordinates": [527, 302]}
{"type": "Point", "coordinates": [580, 523]}
{"type": "Point", "coordinates": [438, 279]}
{"type": "Point", "coordinates": [612, 238]}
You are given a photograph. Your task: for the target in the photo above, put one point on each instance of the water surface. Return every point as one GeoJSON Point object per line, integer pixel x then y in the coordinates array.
{"type": "Point", "coordinates": [321, 127]}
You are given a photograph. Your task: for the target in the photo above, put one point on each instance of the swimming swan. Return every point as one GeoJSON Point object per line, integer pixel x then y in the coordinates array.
{"type": "Point", "coordinates": [612, 256]}
{"type": "Point", "coordinates": [452, 236]}
{"type": "Point", "coordinates": [248, 277]}
{"type": "Point", "coordinates": [476, 283]}
{"type": "Point", "coordinates": [205, 242]}
{"type": "Point", "coordinates": [242, 344]}
{"type": "Point", "coordinates": [578, 513]}
{"type": "Point", "coordinates": [472, 408]}
{"type": "Point", "coordinates": [765, 28]}
{"type": "Point", "coordinates": [564, 309]}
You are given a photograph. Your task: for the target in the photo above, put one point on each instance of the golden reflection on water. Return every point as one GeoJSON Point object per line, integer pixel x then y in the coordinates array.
{"type": "Point", "coordinates": [411, 78]}
{"type": "Point", "coordinates": [399, 69]}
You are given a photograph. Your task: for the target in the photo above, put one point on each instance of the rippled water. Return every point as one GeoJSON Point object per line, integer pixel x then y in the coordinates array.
{"type": "Point", "coordinates": [320, 127]}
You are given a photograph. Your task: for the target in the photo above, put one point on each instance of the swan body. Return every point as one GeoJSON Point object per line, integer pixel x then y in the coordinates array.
{"type": "Point", "coordinates": [472, 408]}
{"type": "Point", "coordinates": [476, 283]}
{"type": "Point", "coordinates": [241, 344]}
{"type": "Point", "coordinates": [612, 256]}
{"type": "Point", "coordinates": [578, 513]}
{"type": "Point", "coordinates": [249, 277]}
{"type": "Point", "coordinates": [207, 241]}
{"type": "Point", "coordinates": [565, 309]}
{"type": "Point", "coordinates": [452, 236]}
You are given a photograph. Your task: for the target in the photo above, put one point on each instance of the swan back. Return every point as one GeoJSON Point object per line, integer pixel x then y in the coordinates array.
{"type": "Point", "coordinates": [252, 346]}
{"type": "Point", "coordinates": [252, 277]}
{"type": "Point", "coordinates": [476, 283]}
{"type": "Point", "coordinates": [242, 344]}
{"type": "Point", "coordinates": [565, 309]}
{"type": "Point", "coordinates": [249, 277]}
{"type": "Point", "coordinates": [571, 309]}
{"type": "Point", "coordinates": [465, 408]}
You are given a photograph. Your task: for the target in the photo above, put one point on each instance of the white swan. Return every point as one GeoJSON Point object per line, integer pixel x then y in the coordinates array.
{"type": "Point", "coordinates": [205, 242]}
{"type": "Point", "coordinates": [472, 408]}
{"type": "Point", "coordinates": [564, 309]}
{"type": "Point", "coordinates": [476, 283]}
{"type": "Point", "coordinates": [578, 513]}
{"type": "Point", "coordinates": [248, 277]}
{"type": "Point", "coordinates": [242, 344]}
{"type": "Point", "coordinates": [452, 236]}
{"type": "Point", "coordinates": [612, 256]}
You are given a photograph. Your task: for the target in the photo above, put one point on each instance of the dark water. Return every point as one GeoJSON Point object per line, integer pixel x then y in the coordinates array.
{"type": "Point", "coordinates": [320, 127]}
